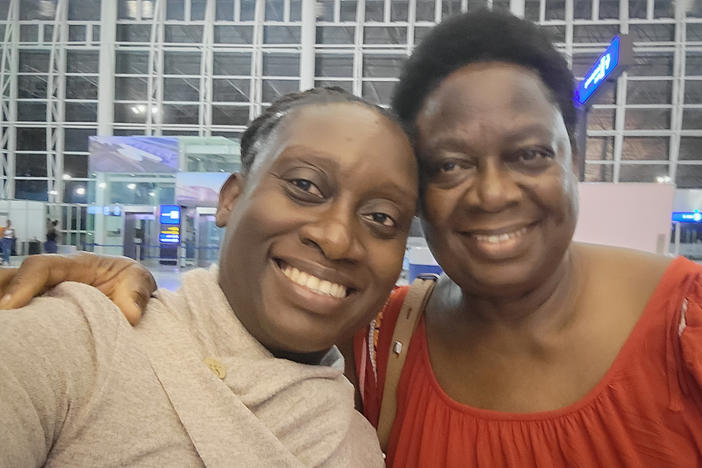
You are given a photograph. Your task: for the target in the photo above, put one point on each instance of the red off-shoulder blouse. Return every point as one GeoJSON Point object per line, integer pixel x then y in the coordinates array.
{"type": "Point", "coordinates": [645, 412]}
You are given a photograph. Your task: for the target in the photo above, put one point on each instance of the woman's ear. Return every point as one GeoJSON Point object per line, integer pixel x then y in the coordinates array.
{"type": "Point", "coordinates": [228, 195]}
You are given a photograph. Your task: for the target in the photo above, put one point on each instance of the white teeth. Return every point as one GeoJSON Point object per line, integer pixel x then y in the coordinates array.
{"type": "Point", "coordinates": [313, 283]}
{"type": "Point", "coordinates": [498, 238]}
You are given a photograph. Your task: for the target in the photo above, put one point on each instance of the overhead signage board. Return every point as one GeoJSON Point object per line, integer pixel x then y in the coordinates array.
{"type": "Point", "coordinates": [687, 217]}
{"type": "Point", "coordinates": [608, 65]}
{"type": "Point", "coordinates": [170, 214]}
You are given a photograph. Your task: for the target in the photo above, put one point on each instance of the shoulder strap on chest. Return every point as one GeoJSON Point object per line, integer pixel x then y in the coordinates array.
{"type": "Point", "coordinates": [412, 308]}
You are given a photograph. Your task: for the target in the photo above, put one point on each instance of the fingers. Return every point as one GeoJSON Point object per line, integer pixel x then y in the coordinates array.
{"type": "Point", "coordinates": [34, 275]}
{"type": "Point", "coordinates": [133, 292]}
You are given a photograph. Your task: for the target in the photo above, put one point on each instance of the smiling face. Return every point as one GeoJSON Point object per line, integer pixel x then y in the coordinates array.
{"type": "Point", "coordinates": [316, 231]}
{"type": "Point", "coordinates": [499, 195]}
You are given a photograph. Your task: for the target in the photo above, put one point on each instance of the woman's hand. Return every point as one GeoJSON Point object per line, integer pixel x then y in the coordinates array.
{"type": "Point", "coordinates": [127, 283]}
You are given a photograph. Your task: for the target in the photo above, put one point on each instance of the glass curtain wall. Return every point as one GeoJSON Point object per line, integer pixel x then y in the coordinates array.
{"type": "Point", "coordinates": [74, 68]}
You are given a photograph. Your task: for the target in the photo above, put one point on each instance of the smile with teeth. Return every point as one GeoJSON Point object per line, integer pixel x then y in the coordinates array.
{"type": "Point", "coordinates": [500, 238]}
{"type": "Point", "coordinates": [313, 283]}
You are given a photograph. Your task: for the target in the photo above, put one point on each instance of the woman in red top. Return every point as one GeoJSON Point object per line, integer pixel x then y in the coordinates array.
{"type": "Point", "coordinates": [533, 350]}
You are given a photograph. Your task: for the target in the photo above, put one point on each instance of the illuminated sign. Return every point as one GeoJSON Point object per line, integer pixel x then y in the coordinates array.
{"type": "Point", "coordinates": [169, 235]}
{"type": "Point", "coordinates": [618, 53]}
{"type": "Point", "coordinates": [687, 217]}
{"type": "Point", "coordinates": [170, 214]}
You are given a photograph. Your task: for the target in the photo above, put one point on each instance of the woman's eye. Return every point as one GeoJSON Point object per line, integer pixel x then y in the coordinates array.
{"type": "Point", "coordinates": [306, 186]}
{"type": "Point", "coordinates": [448, 166]}
{"type": "Point", "coordinates": [534, 154]}
{"type": "Point", "coordinates": [381, 218]}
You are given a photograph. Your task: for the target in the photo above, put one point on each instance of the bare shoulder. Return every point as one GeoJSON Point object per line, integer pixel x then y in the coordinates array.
{"type": "Point", "coordinates": [629, 273]}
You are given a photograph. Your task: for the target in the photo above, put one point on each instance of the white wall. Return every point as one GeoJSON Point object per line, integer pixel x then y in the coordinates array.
{"type": "Point", "coordinates": [637, 216]}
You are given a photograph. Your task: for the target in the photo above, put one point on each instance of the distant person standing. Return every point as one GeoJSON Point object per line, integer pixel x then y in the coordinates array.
{"type": "Point", "coordinates": [51, 236]}
{"type": "Point", "coordinates": [8, 238]}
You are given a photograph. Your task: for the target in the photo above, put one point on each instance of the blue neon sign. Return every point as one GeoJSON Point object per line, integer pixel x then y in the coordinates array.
{"type": "Point", "coordinates": [600, 70]}
{"type": "Point", "coordinates": [687, 217]}
{"type": "Point", "coordinates": [170, 214]}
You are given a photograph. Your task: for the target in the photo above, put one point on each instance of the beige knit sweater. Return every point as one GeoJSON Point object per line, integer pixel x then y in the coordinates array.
{"type": "Point", "coordinates": [187, 387]}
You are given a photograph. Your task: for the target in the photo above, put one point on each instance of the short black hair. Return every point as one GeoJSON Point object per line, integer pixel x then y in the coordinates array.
{"type": "Point", "coordinates": [483, 36]}
{"type": "Point", "coordinates": [261, 128]}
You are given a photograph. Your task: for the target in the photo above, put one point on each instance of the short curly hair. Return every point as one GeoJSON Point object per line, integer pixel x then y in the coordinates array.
{"type": "Point", "coordinates": [482, 36]}
{"type": "Point", "coordinates": [262, 127]}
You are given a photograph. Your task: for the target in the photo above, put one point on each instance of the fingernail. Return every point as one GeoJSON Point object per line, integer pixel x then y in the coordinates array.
{"type": "Point", "coordinates": [5, 300]}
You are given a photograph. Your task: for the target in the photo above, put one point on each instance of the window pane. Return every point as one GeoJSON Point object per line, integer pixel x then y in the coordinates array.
{"type": "Point", "coordinates": [642, 172]}
{"type": "Point", "coordinates": [84, 10]}
{"type": "Point", "coordinates": [600, 148]}
{"type": "Point", "coordinates": [333, 65]}
{"type": "Point", "coordinates": [335, 34]}
{"type": "Point", "coordinates": [31, 190]}
{"type": "Point", "coordinates": [133, 32]}
{"type": "Point", "coordinates": [76, 33]}
{"type": "Point", "coordinates": [281, 34]}
{"type": "Point", "coordinates": [29, 33]}
{"type": "Point", "coordinates": [609, 9]}
{"type": "Point", "coordinates": [649, 92]}
{"type": "Point", "coordinates": [382, 66]}
{"type": "Point", "coordinates": [30, 86]}
{"type": "Point", "coordinates": [180, 114]}
{"type": "Point", "coordinates": [274, 10]}
{"type": "Point", "coordinates": [81, 87]}
{"type": "Point", "coordinates": [76, 165]}
{"type": "Point", "coordinates": [30, 165]}
{"type": "Point", "coordinates": [233, 34]}
{"type": "Point", "coordinates": [597, 33]}
{"type": "Point", "coordinates": [375, 10]}
{"type": "Point", "coordinates": [82, 61]}
{"type": "Point", "coordinates": [692, 119]}
{"type": "Point", "coordinates": [31, 138]}
{"type": "Point", "coordinates": [384, 35]}
{"type": "Point", "coordinates": [230, 115]}
{"type": "Point", "coordinates": [693, 32]}
{"type": "Point", "coordinates": [688, 176]}
{"type": "Point", "coordinates": [37, 9]}
{"type": "Point", "coordinates": [181, 63]}
{"type": "Point", "coordinates": [399, 10]}
{"type": "Point", "coordinates": [224, 10]}
{"type": "Point", "coordinates": [132, 62]}
{"type": "Point", "coordinates": [130, 113]}
{"type": "Point", "coordinates": [690, 148]}
{"type": "Point", "coordinates": [652, 64]}
{"type": "Point", "coordinates": [555, 9]}
{"type": "Point", "coordinates": [637, 8]}
{"type": "Point", "coordinates": [582, 9]}
{"type": "Point", "coordinates": [130, 89]}
{"type": "Point", "coordinates": [273, 89]}
{"type": "Point", "coordinates": [645, 148]}
{"type": "Point", "coordinates": [81, 112]}
{"type": "Point", "coordinates": [76, 139]}
{"type": "Point", "coordinates": [693, 63]}
{"type": "Point", "coordinates": [652, 32]}
{"type": "Point", "coordinates": [643, 119]}
{"type": "Point", "coordinates": [378, 92]}
{"type": "Point", "coordinates": [232, 63]}
{"type": "Point", "coordinates": [181, 89]}
{"type": "Point", "coordinates": [278, 64]}
{"type": "Point", "coordinates": [598, 173]}
{"type": "Point", "coordinates": [230, 90]}
{"type": "Point", "coordinates": [183, 34]}
{"type": "Point", "coordinates": [34, 61]}
{"type": "Point", "coordinates": [600, 119]}
{"type": "Point", "coordinates": [31, 111]}
{"type": "Point", "coordinates": [175, 9]}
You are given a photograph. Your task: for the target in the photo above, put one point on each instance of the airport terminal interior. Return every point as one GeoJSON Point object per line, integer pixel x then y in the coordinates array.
{"type": "Point", "coordinates": [121, 119]}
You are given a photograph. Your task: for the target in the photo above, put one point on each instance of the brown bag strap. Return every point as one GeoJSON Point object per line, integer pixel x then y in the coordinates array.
{"type": "Point", "coordinates": [412, 308]}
